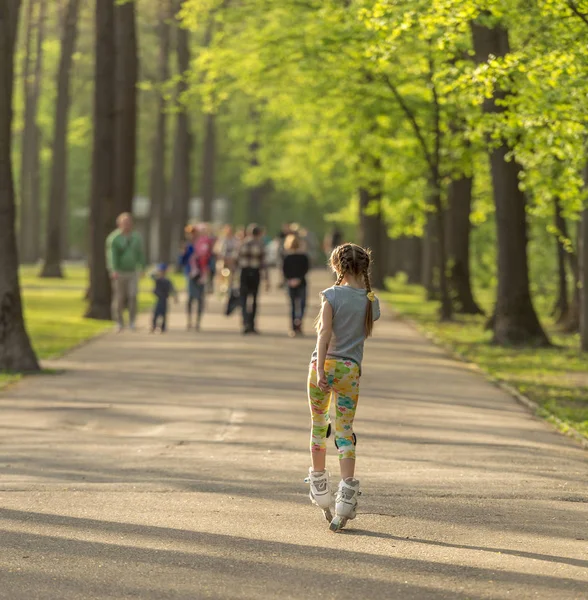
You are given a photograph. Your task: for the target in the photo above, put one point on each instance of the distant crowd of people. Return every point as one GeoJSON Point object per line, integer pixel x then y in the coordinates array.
{"type": "Point", "coordinates": [236, 262]}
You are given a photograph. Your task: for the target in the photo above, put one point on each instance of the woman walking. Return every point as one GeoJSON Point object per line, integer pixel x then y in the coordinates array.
{"type": "Point", "coordinates": [295, 267]}
{"type": "Point", "coordinates": [195, 259]}
{"type": "Point", "coordinates": [348, 312]}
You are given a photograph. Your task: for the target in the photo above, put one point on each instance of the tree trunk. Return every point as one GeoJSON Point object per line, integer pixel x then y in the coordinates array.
{"type": "Point", "coordinates": [258, 192]}
{"type": "Point", "coordinates": [583, 266]}
{"type": "Point", "coordinates": [384, 256]}
{"type": "Point", "coordinates": [430, 258]}
{"type": "Point", "coordinates": [396, 256]}
{"type": "Point", "coordinates": [183, 144]}
{"type": "Point", "coordinates": [126, 106]}
{"type": "Point", "coordinates": [446, 308]}
{"type": "Point", "coordinates": [572, 323]}
{"type": "Point", "coordinates": [515, 321]}
{"type": "Point", "coordinates": [102, 197]}
{"type": "Point", "coordinates": [413, 259]}
{"type": "Point", "coordinates": [27, 141]}
{"type": "Point", "coordinates": [207, 192]}
{"type": "Point", "coordinates": [584, 281]}
{"type": "Point", "coordinates": [56, 213]}
{"type": "Point", "coordinates": [371, 231]}
{"type": "Point", "coordinates": [460, 202]}
{"type": "Point", "coordinates": [208, 166]}
{"type": "Point", "coordinates": [562, 305]}
{"type": "Point", "coordinates": [34, 243]}
{"type": "Point", "coordinates": [159, 204]}
{"type": "Point", "coordinates": [16, 352]}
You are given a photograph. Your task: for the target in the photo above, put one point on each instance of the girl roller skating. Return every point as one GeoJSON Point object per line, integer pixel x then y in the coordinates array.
{"type": "Point", "coordinates": [348, 312]}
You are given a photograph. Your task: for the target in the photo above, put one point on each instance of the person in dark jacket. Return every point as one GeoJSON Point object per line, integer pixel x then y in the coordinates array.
{"type": "Point", "coordinates": [164, 288]}
{"type": "Point", "coordinates": [295, 268]}
{"type": "Point", "coordinates": [253, 267]}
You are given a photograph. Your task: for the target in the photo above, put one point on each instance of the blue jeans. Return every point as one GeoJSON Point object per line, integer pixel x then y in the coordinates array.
{"type": "Point", "coordinates": [298, 304]}
{"type": "Point", "coordinates": [196, 293]}
{"type": "Point", "coordinates": [160, 312]}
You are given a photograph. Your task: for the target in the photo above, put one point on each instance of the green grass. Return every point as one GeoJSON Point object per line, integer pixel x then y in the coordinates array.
{"type": "Point", "coordinates": [54, 311]}
{"type": "Point", "coordinates": [555, 378]}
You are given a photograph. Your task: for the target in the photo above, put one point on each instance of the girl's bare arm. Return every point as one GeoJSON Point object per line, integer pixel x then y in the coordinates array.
{"type": "Point", "coordinates": [324, 337]}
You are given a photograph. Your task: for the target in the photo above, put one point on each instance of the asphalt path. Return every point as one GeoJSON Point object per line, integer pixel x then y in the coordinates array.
{"type": "Point", "coordinates": [172, 466]}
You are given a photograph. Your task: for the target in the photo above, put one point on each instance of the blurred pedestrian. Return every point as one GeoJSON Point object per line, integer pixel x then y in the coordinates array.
{"type": "Point", "coordinates": [195, 259]}
{"type": "Point", "coordinates": [253, 267]}
{"type": "Point", "coordinates": [227, 252]}
{"type": "Point", "coordinates": [212, 239]}
{"type": "Point", "coordinates": [284, 233]}
{"type": "Point", "coordinates": [125, 260]}
{"type": "Point", "coordinates": [164, 288]}
{"type": "Point", "coordinates": [295, 268]}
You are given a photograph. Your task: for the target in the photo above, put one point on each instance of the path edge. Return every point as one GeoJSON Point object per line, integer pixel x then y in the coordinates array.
{"type": "Point", "coordinates": [535, 409]}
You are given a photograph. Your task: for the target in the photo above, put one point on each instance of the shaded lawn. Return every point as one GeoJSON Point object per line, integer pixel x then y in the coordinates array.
{"type": "Point", "coordinates": [555, 378]}
{"type": "Point", "coordinates": [54, 311]}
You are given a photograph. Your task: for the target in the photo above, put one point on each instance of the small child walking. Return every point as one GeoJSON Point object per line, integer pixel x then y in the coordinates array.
{"type": "Point", "coordinates": [164, 288]}
{"type": "Point", "coordinates": [348, 312]}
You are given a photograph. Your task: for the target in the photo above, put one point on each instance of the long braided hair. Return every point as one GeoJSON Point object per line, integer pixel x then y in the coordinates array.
{"type": "Point", "coordinates": [355, 260]}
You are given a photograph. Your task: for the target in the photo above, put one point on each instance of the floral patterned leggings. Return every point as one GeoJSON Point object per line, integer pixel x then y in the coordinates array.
{"type": "Point", "coordinates": [343, 377]}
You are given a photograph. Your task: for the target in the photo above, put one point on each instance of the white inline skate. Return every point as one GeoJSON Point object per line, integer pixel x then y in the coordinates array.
{"type": "Point", "coordinates": [320, 492]}
{"type": "Point", "coordinates": [345, 503]}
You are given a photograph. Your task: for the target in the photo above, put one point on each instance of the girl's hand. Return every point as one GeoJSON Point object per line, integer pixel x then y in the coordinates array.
{"type": "Point", "coordinates": [322, 382]}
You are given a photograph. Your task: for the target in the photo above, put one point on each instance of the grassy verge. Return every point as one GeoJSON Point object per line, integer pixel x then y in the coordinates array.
{"type": "Point", "coordinates": [555, 378]}
{"type": "Point", "coordinates": [54, 311]}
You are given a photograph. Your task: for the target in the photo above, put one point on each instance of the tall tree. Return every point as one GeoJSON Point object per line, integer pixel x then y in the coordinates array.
{"type": "Point", "coordinates": [30, 213]}
{"type": "Point", "coordinates": [57, 208]}
{"type": "Point", "coordinates": [370, 222]}
{"type": "Point", "coordinates": [25, 154]}
{"type": "Point", "coordinates": [35, 217]}
{"type": "Point", "coordinates": [459, 229]}
{"type": "Point", "coordinates": [583, 244]}
{"type": "Point", "coordinates": [183, 141]}
{"type": "Point", "coordinates": [16, 352]}
{"type": "Point", "coordinates": [434, 248]}
{"type": "Point", "coordinates": [430, 257]}
{"type": "Point", "coordinates": [208, 146]}
{"type": "Point", "coordinates": [102, 193]}
{"type": "Point", "coordinates": [572, 322]}
{"type": "Point", "coordinates": [256, 192]}
{"type": "Point", "coordinates": [208, 166]}
{"type": "Point", "coordinates": [562, 304]}
{"type": "Point", "coordinates": [515, 321]}
{"type": "Point", "coordinates": [127, 66]}
{"type": "Point", "coordinates": [159, 188]}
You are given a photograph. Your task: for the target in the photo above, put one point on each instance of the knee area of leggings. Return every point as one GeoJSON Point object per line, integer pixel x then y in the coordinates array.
{"type": "Point", "coordinates": [342, 442]}
{"type": "Point", "coordinates": [321, 430]}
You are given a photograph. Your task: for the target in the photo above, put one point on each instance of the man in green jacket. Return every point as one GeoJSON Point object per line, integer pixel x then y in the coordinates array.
{"type": "Point", "coordinates": [125, 260]}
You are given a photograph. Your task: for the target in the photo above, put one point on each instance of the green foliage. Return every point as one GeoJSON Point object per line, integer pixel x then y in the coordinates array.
{"type": "Point", "coordinates": [314, 99]}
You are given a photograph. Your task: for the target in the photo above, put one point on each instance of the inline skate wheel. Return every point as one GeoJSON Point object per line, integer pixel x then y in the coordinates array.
{"type": "Point", "coordinates": [328, 514]}
{"type": "Point", "coordinates": [338, 523]}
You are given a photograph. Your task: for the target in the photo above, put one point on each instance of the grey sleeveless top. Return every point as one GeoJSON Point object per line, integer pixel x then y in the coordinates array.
{"type": "Point", "coordinates": [349, 306]}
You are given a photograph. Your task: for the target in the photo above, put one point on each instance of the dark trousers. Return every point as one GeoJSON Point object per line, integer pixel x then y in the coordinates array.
{"type": "Point", "coordinates": [160, 312]}
{"type": "Point", "coordinates": [250, 280]}
{"type": "Point", "coordinates": [298, 303]}
{"type": "Point", "coordinates": [196, 293]}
